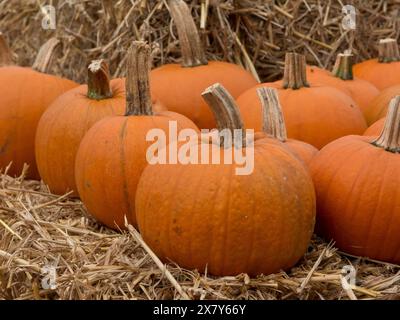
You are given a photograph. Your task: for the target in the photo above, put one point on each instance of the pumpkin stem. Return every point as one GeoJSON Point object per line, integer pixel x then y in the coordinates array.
{"type": "Point", "coordinates": [99, 80]}
{"type": "Point", "coordinates": [390, 135]}
{"type": "Point", "coordinates": [343, 67]}
{"type": "Point", "coordinates": [388, 51]}
{"type": "Point", "coordinates": [138, 98]}
{"type": "Point", "coordinates": [191, 48]}
{"type": "Point", "coordinates": [5, 52]}
{"type": "Point", "coordinates": [225, 111]}
{"type": "Point", "coordinates": [45, 54]}
{"type": "Point", "coordinates": [273, 122]}
{"type": "Point", "coordinates": [295, 71]}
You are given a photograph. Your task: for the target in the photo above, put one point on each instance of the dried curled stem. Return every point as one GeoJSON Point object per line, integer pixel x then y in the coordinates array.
{"type": "Point", "coordinates": [295, 71]}
{"type": "Point", "coordinates": [226, 113]}
{"type": "Point", "coordinates": [45, 55]}
{"type": "Point", "coordinates": [192, 50]}
{"type": "Point", "coordinates": [138, 98]}
{"type": "Point", "coordinates": [389, 138]}
{"type": "Point", "coordinates": [273, 122]}
{"type": "Point", "coordinates": [99, 80]}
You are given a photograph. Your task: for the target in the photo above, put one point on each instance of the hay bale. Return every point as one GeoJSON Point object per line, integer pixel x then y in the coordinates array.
{"type": "Point", "coordinates": [243, 31]}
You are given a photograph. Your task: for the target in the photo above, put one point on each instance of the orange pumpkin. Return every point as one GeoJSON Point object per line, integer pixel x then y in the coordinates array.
{"type": "Point", "coordinates": [25, 93]}
{"type": "Point", "coordinates": [342, 78]}
{"type": "Point", "coordinates": [179, 87]}
{"type": "Point", "coordinates": [384, 71]}
{"type": "Point", "coordinates": [274, 126]}
{"type": "Point", "coordinates": [66, 121]}
{"type": "Point", "coordinates": [356, 180]}
{"type": "Point", "coordinates": [205, 216]}
{"type": "Point", "coordinates": [314, 71]}
{"type": "Point", "coordinates": [378, 107]}
{"type": "Point", "coordinates": [314, 113]}
{"type": "Point", "coordinates": [113, 152]}
{"type": "Point", "coordinates": [376, 128]}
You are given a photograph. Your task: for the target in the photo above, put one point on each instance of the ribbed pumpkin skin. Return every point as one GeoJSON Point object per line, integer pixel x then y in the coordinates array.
{"type": "Point", "coordinates": [205, 216]}
{"type": "Point", "coordinates": [360, 90]}
{"type": "Point", "coordinates": [316, 71]}
{"type": "Point", "coordinates": [319, 76]}
{"type": "Point", "coordinates": [304, 151]}
{"type": "Point", "coordinates": [357, 197]}
{"type": "Point", "coordinates": [63, 126]}
{"type": "Point", "coordinates": [179, 88]}
{"type": "Point", "coordinates": [110, 160]}
{"type": "Point", "coordinates": [381, 75]}
{"type": "Point", "coordinates": [316, 115]}
{"type": "Point", "coordinates": [24, 95]}
{"type": "Point", "coordinates": [378, 107]}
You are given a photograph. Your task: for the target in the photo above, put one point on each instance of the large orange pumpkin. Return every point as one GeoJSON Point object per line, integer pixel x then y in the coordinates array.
{"type": "Point", "coordinates": [378, 106]}
{"type": "Point", "coordinates": [25, 93]}
{"type": "Point", "coordinates": [113, 152]}
{"type": "Point", "coordinates": [357, 180]}
{"type": "Point", "coordinates": [314, 113]}
{"type": "Point", "coordinates": [342, 78]}
{"type": "Point", "coordinates": [206, 216]}
{"type": "Point", "coordinates": [274, 126]}
{"type": "Point", "coordinates": [376, 128]}
{"type": "Point", "coordinates": [179, 87]}
{"type": "Point", "coordinates": [66, 121]}
{"type": "Point", "coordinates": [384, 71]}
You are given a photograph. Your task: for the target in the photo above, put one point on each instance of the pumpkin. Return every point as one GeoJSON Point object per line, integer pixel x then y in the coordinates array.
{"type": "Point", "coordinates": [314, 113]}
{"type": "Point", "coordinates": [384, 71]}
{"type": "Point", "coordinates": [205, 216]}
{"type": "Point", "coordinates": [314, 71]}
{"type": "Point", "coordinates": [112, 154]}
{"type": "Point", "coordinates": [70, 116]}
{"type": "Point", "coordinates": [342, 78]}
{"type": "Point", "coordinates": [25, 93]}
{"type": "Point", "coordinates": [378, 106]}
{"type": "Point", "coordinates": [356, 180]}
{"type": "Point", "coordinates": [179, 87]}
{"type": "Point", "coordinates": [274, 125]}
{"type": "Point", "coordinates": [376, 128]}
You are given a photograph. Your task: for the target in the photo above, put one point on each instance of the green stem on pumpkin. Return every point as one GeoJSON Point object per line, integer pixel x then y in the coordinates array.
{"type": "Point", "coordinates": [138, 98]}
{"type": "Point", "coordinates": [272, 119]}
{"type": "Point", "coordinates": [5, 52]}
{"type": "Point", "coordinates": [343, 67]}
{"type": "Point", "coordinates": [99, 80]}
{"type": "Point", "coordinates": [294, 76]}
{"type": "Point", "coordinates": [225, 111]}
{"type": "Point", "coordinates": [45, 55]}
{"type": "Point", "coordinates": [389, 138]}
{"type": "Point", "coordinates": [191, 48]}
{"type": "Point", "coordinates": [388, 51]}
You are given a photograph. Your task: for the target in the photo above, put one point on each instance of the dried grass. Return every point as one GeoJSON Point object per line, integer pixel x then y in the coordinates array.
{"type": "Point", "coordinates": [253, 33]}
{"type": "Point", "coordinates": [38, 229]}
